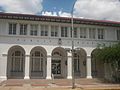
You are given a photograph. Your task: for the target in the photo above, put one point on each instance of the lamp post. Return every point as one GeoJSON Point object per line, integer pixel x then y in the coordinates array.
{"type": "Point", "coordinates": [73, 78]}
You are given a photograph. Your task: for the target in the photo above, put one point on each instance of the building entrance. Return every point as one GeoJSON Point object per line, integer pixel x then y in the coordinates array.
{"type": "Point", "coordinates": [58, 63]}
{"type": "Point", "coordinates": [56, 67]}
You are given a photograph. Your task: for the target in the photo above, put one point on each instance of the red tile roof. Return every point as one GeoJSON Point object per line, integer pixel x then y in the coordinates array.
{"type": "Point", "coordinates": [58, 19]}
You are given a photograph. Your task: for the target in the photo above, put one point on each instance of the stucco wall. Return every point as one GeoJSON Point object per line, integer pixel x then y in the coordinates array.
{"type": "Point", "coordinates": [48, 43]}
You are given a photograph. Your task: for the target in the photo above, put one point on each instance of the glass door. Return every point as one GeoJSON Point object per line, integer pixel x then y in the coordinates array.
{"type": "Point", "coordinates": [56, 67]}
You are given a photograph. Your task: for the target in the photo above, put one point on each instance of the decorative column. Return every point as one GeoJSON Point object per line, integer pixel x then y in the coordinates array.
{"type": "Point", "coordinates": [59, 32]}
{"type": "Point", "coordinates": [48, 67]}
{"type": "Point", "coordinates": [78, 33]}
{"type": "Point", "coordinates": [28, 30]}
{"type": "Point", "coordinates": [27, 66]}
{"type": "Point", "coordinates": [69, 32]}
{"type": "Point", "coordinates": [3, 67]}
{"type": "Point", "coordinates": [89, 76]}
{"type": "Point", "coordinates": [49, 31]}
{"type": "Point", "coordinates": [18, 29]}
{"type": "Point", "coordinates": [87, 31]}
{"type": "Point", "coordinates": [38, 30]}
{"type": "Point", "coordinates": [69, 67]}
{"type": "Point", "coordinates": [96, 34]}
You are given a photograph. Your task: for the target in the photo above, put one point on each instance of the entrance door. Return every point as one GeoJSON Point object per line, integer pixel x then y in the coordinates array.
{"type": "Point", "coordinates": [56, 67]}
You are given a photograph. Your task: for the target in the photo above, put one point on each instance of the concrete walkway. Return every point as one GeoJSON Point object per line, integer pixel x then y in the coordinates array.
{"type": "Point", "coordinates": [57, 84]}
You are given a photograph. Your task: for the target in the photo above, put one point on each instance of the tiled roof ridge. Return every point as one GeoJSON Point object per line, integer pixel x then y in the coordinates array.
{"type": "Point", "coordinates": [65, 19]}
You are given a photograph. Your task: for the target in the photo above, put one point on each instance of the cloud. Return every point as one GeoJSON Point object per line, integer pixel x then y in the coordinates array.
{"type": "Point", "coordinates": [59, 13]}
{"type": "Point", "coordinates": [22, 6]}
{"type": "Point", "coordinates": [93, 9]}
{"type": "Point", "coordinates": [64, 14]}
{"type": "Point", "coordinates": [48, 13]}
{"type": "Point", "coordinates": [90, 9]}
{"type": "Point", "coordinates": [98, 9]}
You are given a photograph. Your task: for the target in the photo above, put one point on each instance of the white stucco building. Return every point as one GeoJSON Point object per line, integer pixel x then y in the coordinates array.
{"type": "Point", "coordinates": [37, 46]}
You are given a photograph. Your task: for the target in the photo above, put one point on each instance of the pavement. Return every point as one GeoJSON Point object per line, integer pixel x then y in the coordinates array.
{"type": "Point", "coordinates": [57, 84]}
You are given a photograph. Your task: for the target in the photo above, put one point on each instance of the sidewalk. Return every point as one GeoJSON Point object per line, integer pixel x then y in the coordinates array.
{"type": "Point", "coordinates": [57, 84]}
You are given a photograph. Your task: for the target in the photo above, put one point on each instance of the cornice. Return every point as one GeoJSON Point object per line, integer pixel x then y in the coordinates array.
{"type": "Point", "coordinates": [58, 19]}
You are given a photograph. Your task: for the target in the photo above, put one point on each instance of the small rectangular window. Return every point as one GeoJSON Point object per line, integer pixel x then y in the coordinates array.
{"type": "Point", "coordinates": [44, 30]}
{"type": "Point", "coordinates": [33, 30]}
{"type": "Point", "coordinates": [75, 32]}
{"type": "Point", "coordinates": [83, 32]}
{"type": "Point", "coordinates": [12, 28]}
{"type": "Point", "coordinates": [101, 33]}
{"type": "Point", "coordinates": [92, 33]}
{"type": "Point", "coordinates": [23, 29]}
{"type": "Point", "coordinates": [54, 31]}
{"type": "Point", "coordinates": [64, 31]}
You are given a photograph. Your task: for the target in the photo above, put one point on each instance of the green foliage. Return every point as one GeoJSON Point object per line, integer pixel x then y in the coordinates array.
{"type": "Point", "coordinates": [110, 54]}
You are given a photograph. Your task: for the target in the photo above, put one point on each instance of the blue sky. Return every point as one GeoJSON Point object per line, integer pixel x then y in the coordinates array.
{"type": "Point", "coordinates": [90, 9]}
{"type": "Point", "coordinates": [57, 5]}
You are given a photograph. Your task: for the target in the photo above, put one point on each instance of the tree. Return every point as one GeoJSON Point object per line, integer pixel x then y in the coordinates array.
{"type": "Point", "coordinates": [111, 55]}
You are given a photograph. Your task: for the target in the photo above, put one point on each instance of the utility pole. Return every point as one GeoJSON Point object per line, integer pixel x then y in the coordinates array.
{"type": "Point", "coordinates": [72, 25]}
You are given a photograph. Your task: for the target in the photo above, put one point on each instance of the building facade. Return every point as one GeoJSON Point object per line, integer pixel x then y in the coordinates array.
{"type": "Point", "coordinates": [38, 47]}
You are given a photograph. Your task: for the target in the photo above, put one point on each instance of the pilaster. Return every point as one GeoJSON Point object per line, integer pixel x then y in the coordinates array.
{"type": "Point", "coordinates": [3, 68]}
{"type": "Point", "coordinates": [69, 68]}
{"type": "Point", "coordinates": [49, 30]}
{"type": "Point", "coordinates": [48, 67]}
{"type": "Point", "coordinates": [59, 31]}
{"type": "Point", "coordinates": [27, 66]}
{"type": "Point", "coordinates": [28, 30]}
{"type": "Point", "coordinates": [89, 76]}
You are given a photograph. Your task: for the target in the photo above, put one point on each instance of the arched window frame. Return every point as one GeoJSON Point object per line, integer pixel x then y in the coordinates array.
{"type": "Point", "coordinates": [37, 60]}
{"type": "Point", "coordinates": [17, 61]}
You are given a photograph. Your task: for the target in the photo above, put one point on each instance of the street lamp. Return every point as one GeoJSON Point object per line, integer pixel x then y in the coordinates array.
{"type": "Point", "coordinates": [73, 78]}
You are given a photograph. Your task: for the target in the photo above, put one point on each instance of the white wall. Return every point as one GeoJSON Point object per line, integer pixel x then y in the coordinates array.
{"type": "Point", "coordinates": [3, 27]}
{"type": "Point", "coordinates": [111, 33]}
{"type": "Point", "coordinates": [28, 42]}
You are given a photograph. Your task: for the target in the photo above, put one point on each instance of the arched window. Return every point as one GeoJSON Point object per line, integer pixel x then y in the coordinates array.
{"type": "Point", "coordinates": [37, 61]}
{"type": "Point", "coordinates": [57, 54]}
{"type": "Point", "coordinates": [17, 61]}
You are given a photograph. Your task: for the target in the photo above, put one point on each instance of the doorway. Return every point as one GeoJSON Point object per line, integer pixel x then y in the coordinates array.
{"type": "Point", "coordinates": [56, 67]}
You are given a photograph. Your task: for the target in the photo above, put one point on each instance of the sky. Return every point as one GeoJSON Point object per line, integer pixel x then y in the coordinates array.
{"type": "Point", "coordinates": [88, 9]}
